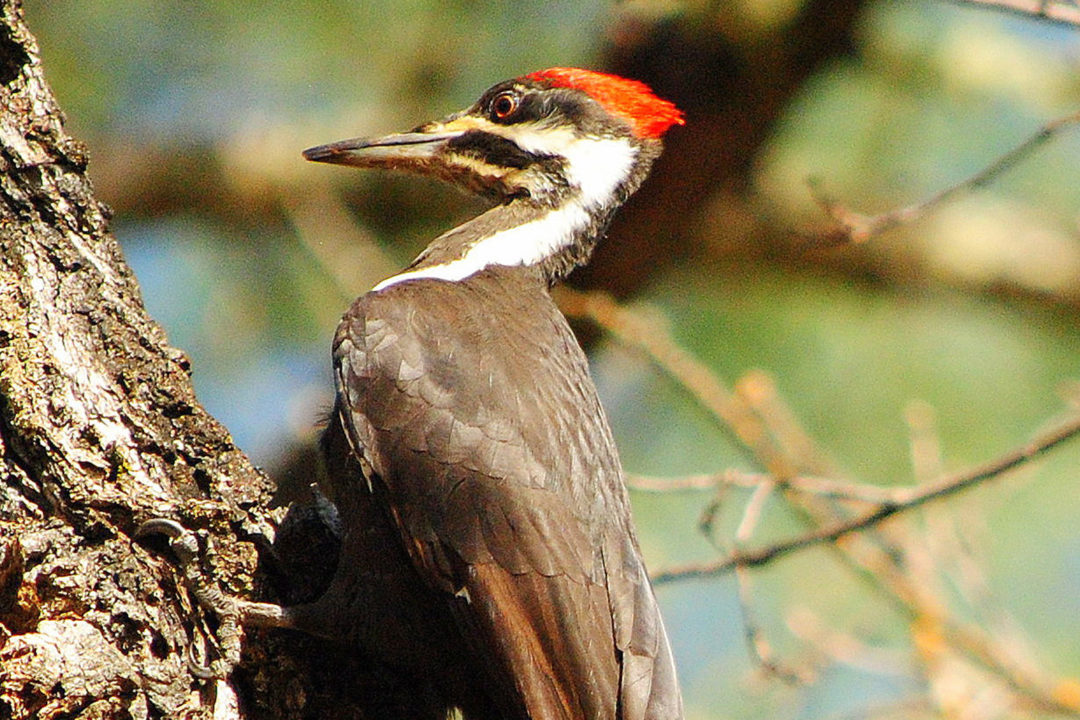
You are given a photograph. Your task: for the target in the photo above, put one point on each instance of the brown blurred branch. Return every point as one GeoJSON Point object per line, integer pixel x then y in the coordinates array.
{"type": "Point", "coordinates": [753, 631]}
{"type": "Point", "coordinates": [880, 555]}
{"type": "Point", "coordinates": [705, 61]}
{"type": "Point", "coordinates": [1062, 13]}
{"type": "Point", "coordinates": [854, 227]}
{"type": "Point", "coordinates": [806, 484]}
{"type": "Point", "coordinates": [648, 333]}
{"type": "Point", "coordinates": [902, 500]}
{"type": "Point", "coordinates": [744, 417]}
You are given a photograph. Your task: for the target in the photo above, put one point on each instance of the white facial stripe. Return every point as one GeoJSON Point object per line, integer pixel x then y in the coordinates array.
{"type": "Point", "coordinates": [595, 165]}
{"type": "Point", "coordinates": [599, 166]}
{"type": "Point", "coordinates": [478, 166]}
{"type": "Point", "coordinates": [522, 245]}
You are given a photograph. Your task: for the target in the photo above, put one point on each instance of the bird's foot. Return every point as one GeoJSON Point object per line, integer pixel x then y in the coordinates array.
{"type": "Point", "coordinates": [232, 613]}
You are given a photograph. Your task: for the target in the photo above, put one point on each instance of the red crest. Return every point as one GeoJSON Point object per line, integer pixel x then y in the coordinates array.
{"type": "Point", "coordinates": [631, 100]}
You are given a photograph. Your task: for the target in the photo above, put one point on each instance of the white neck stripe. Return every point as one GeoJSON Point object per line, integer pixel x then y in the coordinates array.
{"type": "Point", "coordinates": [525, 244]}
{"type": "Point", "coordinates": [595, 166]}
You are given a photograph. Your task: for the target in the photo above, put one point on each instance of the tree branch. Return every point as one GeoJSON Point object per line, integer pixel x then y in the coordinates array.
{"type": "Point", "coordinates": [806, 484]}
{"type": "Point", "coordinates": [888, 559]}
{"type": "Point", "coordinates": [100, 429]}
{"type": "Point", "coordinates": [1060, 13]}
{"type": "Point", "coordinates": [902, 500]}
{"type": "Point", "coordinates": [647, 332]}
{"type": "Point", "coordinates": [854, 227]}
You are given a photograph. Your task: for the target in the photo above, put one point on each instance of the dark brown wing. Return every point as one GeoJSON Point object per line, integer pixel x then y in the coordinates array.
{"type": "Point", "coordinates": [471, 406]}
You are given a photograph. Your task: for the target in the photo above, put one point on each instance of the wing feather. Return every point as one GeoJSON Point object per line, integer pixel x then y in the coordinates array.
{"type": "Point", "coordinates": [501, 475]}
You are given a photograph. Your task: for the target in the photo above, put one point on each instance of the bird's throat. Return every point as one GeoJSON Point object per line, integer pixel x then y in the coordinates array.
{"type": "Point", "coordinates": [518, 234]}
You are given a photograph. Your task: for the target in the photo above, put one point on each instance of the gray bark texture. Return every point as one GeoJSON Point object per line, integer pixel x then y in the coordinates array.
{"type": "Point", "coordinates": [99, 431]}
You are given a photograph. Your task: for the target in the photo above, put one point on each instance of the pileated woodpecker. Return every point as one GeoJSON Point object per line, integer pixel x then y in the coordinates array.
{"type": "Point", "coordinates": [488, 551]}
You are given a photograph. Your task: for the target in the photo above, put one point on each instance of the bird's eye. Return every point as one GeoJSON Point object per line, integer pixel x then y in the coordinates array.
{"type": "Point", "coordinates": [503, 106]}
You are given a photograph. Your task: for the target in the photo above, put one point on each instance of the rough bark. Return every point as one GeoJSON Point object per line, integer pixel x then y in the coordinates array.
{"type": "Point", "coordinates": [100, 430]}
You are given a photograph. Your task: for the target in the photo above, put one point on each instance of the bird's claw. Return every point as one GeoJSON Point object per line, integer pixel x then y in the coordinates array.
{"type": "Point", "coordinates": [161, 526]}
{"type": "Point", "coordinates": [185, 544]}
{"type": "Point", "coordinates": [181, 540]}
{"type": "Point", "coordinates": [211, 670]}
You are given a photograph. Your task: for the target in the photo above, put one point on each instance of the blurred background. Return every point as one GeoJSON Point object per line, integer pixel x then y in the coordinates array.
{"type": "Point", "coordinates": [927, 349]}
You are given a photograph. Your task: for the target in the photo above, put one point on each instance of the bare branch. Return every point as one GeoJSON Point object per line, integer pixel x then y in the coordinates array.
{"type": "Point", "coordinates": [902, 708]}
{"type": "Point", "coordinates": [853, 227]}
{"type": "Point", "coordinates": [845, 648]}
{"type": "Point", "coordinates": [806, 484]}
{"type": "Point", "coordinates": [756, 640]}
{"type": "Point", "coordinates": [1061, 13]}
{"type": "Point", "coordinates": [907, 499]}
{"type": "Point", "coordinates": [881, 557]}
{"type": "Point", "coordinates": [638, 329]}
{"type": "Point", "coordinates": [340, 246]}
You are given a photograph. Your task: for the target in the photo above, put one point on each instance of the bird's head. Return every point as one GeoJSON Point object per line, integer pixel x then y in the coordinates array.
{"type": "Point", "coordinates": [557, 136]}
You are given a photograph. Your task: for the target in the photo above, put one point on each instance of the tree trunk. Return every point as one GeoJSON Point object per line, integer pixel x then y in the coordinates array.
{"type": "Point", "coordinates": [99, 431]}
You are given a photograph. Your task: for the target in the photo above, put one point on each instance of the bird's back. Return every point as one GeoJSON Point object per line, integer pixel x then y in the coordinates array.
{"type": "Point", "coordinates": [470, 409]}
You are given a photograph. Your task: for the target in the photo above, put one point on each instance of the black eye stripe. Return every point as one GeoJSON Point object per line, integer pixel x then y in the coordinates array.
{"type": "Point", "coordinates": [493, 149]}
{"type": "Point", "coordinates": [534, 102]}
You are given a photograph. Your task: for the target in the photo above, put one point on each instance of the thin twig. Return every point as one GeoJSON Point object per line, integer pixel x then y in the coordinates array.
{"type": "Point", "coordinates": [845, 648]}
{"type": "Point", "coordinates": [636, 329]}
{"type": "Point", "coordinates": [1060, 13]}
{"type": "Point", "coordinates": [806, 484]}
{"type": "Point", "coordinates": [909, 498]}
{"type": "Point", "coordinates": [705, 481]}
{"type": "Point", "coordinates": [878, 559]}
{"type": "Point", "coordinates": [339, 245]}
{"type": "Point", "coordinates": [756, 640]}
{"type": "Point", "coordinates": [901, 708]}
{"type": "Point", "coordinates": [857, 228]}
{"type": "Point", "coordinates": [758, 390]}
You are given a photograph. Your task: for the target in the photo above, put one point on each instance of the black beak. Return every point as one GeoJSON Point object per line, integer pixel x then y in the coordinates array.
{"type": "Point", "coordinates": [400, 150]}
